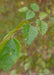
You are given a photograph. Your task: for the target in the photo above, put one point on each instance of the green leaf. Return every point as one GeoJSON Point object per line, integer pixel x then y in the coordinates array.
{"type": "Point", "coordinates": [41, 74]}
{"type": "Point", "coordinates": [43, 15]}
{"type": "Point", "coordinates": [46, 71]}
{"type": "Point", "coordinates": [43, 64]}
{"type": "Point", "coordinates": [9, 54]}
{"type": "Point", "coordinates": [40, 71]}
{"type": "Point", "coordinates": [42, 26]}
{"type": "Point", "coordinates": [27, 66]}
{"type": "Point", "coordinates": [29, 33]}
{"type": "Point", "coordinates": [13, 72]}
{"type": "Point", "coordinates": [35, 6]}
{"type": "Point", "coordinates": [23, 9]}
{"type": "Point", "coordinates": [30, 14]}
{"type": "Point", "coordinates": [52, 20]}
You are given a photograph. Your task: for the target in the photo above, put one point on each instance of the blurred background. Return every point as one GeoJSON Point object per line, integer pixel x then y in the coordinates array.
{"type": "Point", "coordinates": [41, 52]}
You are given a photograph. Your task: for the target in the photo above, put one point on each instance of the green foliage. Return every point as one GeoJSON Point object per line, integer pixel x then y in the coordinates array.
{"type": "Point", "coordinates": [23, 9]}
{"type": "Point", "coordinates": [9, 54]}
{"type": "Point", "coordinates": [30, 14]}
{"type": "Point", "coordinates": [52, 20]}
{"type": "Point", "coordinates": [42, 26]}
{"type": "Point", "coordinates": [43, 15]}
{"type": "Point", "coordinates": [41, 74]}
{"type": "Point", "coordinates": [35, 7]}
{"type": "Point", "coordinates": [27, 65]}
{"type": "Point", "coordinates": [15, 29]}
{"type": "Point", "coordinates": [13, 72]}
{"type": "Point", "coordinates": [30, 33]}
{"type": "Point", "coordinates": [10, 48]}
{"type": "Point", "coordinates": [46, 71]}
{"type": "Point", "coordinates": [43, 64]}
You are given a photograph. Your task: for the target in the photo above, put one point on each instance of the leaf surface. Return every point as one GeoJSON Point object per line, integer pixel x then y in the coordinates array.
{"type": "Point", "coordinates": [43, 15]}
{"type": "Point", "coordinates": [29, 33]}
{"type": "Point", "coordinates": [42, 26]}
{"type": "Point", "coordinates": [35, 6]}
{"type": "Point", "coordinates": [9, 54]}
{"type": "Point", "coordinates": [30, 14]}
{"type": "Point", "coordinates": [23, 9]}
{"type": "Point", "coordinates": [52, 20]}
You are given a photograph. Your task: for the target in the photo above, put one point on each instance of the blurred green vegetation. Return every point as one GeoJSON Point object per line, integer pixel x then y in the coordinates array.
{"type": "Point", "coordinates": [39, 56]}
